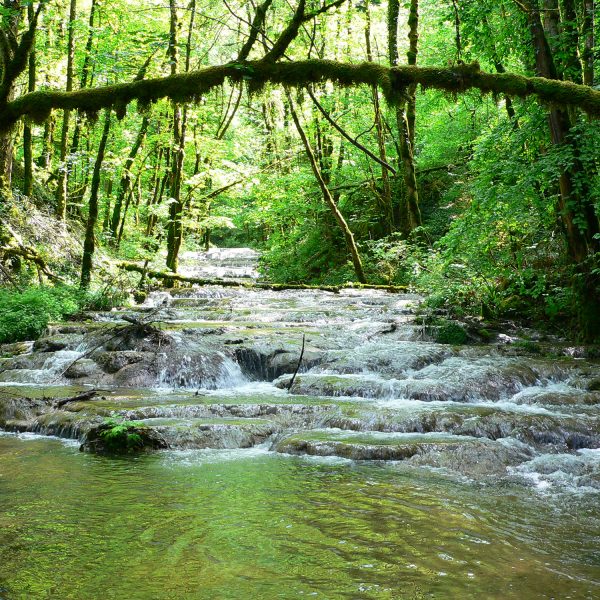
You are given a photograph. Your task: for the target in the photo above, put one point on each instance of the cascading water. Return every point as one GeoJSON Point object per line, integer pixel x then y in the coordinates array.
{"type": "Point", "coordinates": [375, 408]}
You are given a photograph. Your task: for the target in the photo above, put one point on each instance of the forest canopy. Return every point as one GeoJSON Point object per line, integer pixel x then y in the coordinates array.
{"type": "Point", "coordinates": [446, 147]}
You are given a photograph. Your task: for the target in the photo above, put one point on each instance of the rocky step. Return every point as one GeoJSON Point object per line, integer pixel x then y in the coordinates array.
{"type": "Point", "coordinates": [536, 427]}
{"type": "Point", "coordinates": [463, 454]}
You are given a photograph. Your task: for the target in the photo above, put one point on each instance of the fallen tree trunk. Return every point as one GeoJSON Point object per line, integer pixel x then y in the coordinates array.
{"type": "Point", "coordinates": [78, 398]}
{"type": "Point", "coordinates": [393, 82]}
{"type": "Point", "coordinates": [168, 276]}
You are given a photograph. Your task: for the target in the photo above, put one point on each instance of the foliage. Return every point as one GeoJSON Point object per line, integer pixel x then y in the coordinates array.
{"type": "Point", "coordinates": [24, 315]}
{"type": "Point", "coordinates": [450, 333]}
{"type": "Point", "coordinates": [120, 435]}
{"type": "Point", "coordinates": [492, 240]}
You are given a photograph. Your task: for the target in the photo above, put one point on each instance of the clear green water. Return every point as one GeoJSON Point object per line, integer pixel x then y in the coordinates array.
{"type": "Point", "coordinates": [256, 525]}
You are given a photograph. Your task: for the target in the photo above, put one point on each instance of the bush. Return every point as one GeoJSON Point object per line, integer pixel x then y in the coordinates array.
{"type": "Point", "coordinates": [25, 315]}
{"type": "Point", "coordinates": [451, 333]}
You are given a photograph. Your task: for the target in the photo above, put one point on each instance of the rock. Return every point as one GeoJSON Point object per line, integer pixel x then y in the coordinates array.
{"type": "Point", "coordinates": [57, 342]}
{"type": "Point", "coordinates": [111, 362]}
{"type": "Point", "coordinates": [593, 385]}
{"type": "Point", "coordinates": [10, 350]}
{"type": "Point", "coordinates": [84, 367]}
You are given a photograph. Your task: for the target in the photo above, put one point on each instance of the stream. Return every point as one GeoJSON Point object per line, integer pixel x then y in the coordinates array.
{"type": "Point", "coordinates": [393, 467]}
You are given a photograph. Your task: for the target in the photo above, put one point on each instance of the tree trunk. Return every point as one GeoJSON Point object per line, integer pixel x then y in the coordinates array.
{"type": "Point", "coordinates": [348, 236]}
{"type": "Point", "coordinates": [575, 206]}
{"type": "Point", "coordinates": [587, 56]}
{"type": "Point", "coordinates": [89, 242]}
{"type": "Point", "coordinates": [385, 197]}
{"type": "Point", "coordinates": [9, 21]}
{"type": "Point", "coordinates": [410, 213]}
{"type": "Point", "coordinates": [85, 75]}
{"type": "Point", "coordinates": [125, 182]}
{"type": "Point", "coordinates": [63, 174]}
{"type": "Point", "coordinates": [27, 136]}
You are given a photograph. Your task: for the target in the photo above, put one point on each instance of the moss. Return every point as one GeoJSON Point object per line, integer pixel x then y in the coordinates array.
{"type": "Point", "coordinates": [189, 87]}
{"type": "Point", "coordinates": [451, 333]}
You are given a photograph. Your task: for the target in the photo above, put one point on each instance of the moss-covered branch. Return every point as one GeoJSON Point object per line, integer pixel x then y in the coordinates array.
{"type": "Point", "coordinates": [392, 81]}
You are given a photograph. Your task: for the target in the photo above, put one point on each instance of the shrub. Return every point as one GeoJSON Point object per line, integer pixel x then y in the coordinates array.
{"type": "Point", "coordinates": [25, 315]}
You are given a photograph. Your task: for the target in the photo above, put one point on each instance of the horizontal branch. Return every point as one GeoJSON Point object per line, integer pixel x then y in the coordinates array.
{"type": "Point", "coordinates": [167, 275]}
{"type": "Point", "coordinates": [190, 87]}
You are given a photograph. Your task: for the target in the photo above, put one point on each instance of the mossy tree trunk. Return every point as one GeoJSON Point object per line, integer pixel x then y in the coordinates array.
{"type": "Point", "coordinates": [174, 225]}
{"type": "Point", "coordinates": [90, 228]}
{"type": "Point", "coordinates": [9, 23]}
{"type": "Point", "coordinates": [27, 133]}
{"type": "Point", "coordinates": [409, 212]}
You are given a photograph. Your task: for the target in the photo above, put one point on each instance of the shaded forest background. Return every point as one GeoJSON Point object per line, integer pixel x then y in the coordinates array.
{"type": "Point", "coordinates": [487, 203]}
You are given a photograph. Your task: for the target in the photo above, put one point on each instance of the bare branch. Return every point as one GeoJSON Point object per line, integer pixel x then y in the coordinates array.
{"type": "Point", "coordinates": [255, 28]}
{"type": "Point", "coordinates": [352, 140]}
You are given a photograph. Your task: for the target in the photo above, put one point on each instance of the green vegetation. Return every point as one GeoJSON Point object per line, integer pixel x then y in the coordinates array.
{"type": "Point", "coordinates": [443, 146]}
{"type": "Point", "coordinates": [24, 315]}
{"type": "Point", "coordinates": [119, 435]}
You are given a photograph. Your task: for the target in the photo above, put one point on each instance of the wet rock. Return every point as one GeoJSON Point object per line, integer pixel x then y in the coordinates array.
{"type": "Point", "coordinates": [111, 362]}
{"type": "Point", "coordinates": [57, 342]}
{"type": "Point", "coordinates": [19, 408]}
{"type": "Point", "coordinates": [84, 367]}
{"type": "Point", "coordinates": [141, 374]}
{"type": "Point", "coordinates": [318, 384]}
{"type": "Point", "coordinates": [122, 438]}
{"type": "Point", "coordinates": [16, 349]}
{"type": "Point", "coordinates": [593, 385]}
{"type": "Point", "coordinates": [475, 459]}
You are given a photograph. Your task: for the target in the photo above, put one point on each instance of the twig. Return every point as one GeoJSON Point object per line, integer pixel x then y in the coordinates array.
{"type": "Point", "coordinates": [299, 363]}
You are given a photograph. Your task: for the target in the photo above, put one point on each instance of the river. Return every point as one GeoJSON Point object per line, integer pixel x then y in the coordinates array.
{"type": "Point", "coordinates": [394, 467]}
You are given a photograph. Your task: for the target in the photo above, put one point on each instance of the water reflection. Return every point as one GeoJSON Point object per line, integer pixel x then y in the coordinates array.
{"type": "Point", "coordinates": [252, 524]}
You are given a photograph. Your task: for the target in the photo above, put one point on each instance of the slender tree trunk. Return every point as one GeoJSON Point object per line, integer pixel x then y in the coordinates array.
{"type": "Point", "coordinates": [90, 228]}
{"type": "Point", "coordinates": [27, 134]}
{"type": "Point", "coordinates": [570, 40]}
{"type": "Point", "coordinates": [385, 196]}
{"type": "Point", "coordinates": [348, 236]}
{"type": "Point", "coordinates": [85, 76]}
{"type": "Point", "coordinates": [125, 182]}
{"type": "Point", "coordinates": [588, 41]}
{"type": "Point", "coordinates": [63, 175]}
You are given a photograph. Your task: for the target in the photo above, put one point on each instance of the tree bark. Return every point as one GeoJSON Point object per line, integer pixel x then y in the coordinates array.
{"type": "Point", "coordinates": [10, 22]}
{"type": "Point", "coordinates": [348, 236]}
{"type": "Point", "coordinates": [587, 56]}
{"type": "Point", "coordinates": [63, 174]}
{"type": "Point", "coordinates": [90, 228]}
{"type": "Point", "coordinates": [409, 212]}
{"type": "Point", "coordinates": [27, 134]}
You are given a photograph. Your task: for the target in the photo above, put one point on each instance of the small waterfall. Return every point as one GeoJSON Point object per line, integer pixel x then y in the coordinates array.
{"type": "Point", "coordinates": [216, 370]}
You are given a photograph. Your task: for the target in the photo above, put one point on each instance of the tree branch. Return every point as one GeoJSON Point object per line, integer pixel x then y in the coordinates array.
{"type": "Point", "coordinates": [255, 28]}
{"type": "Point", "coordinates": [352, 140]}
{"type": "Point", "coordinates": [392, 81]}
